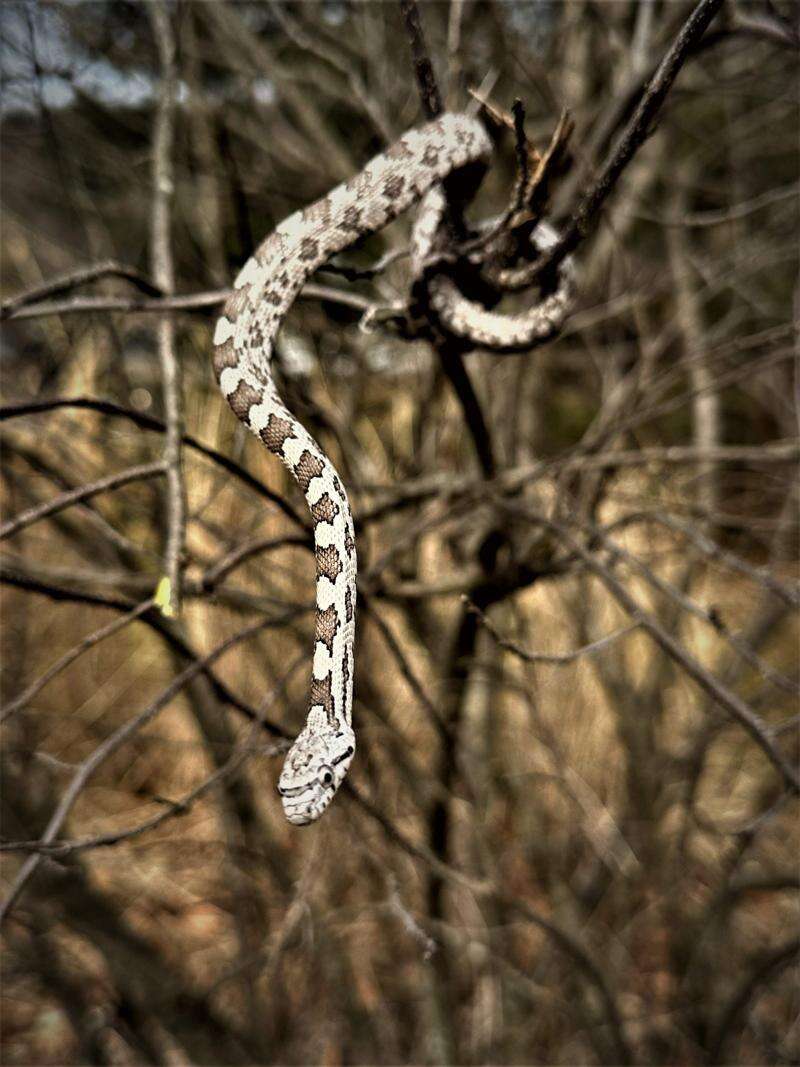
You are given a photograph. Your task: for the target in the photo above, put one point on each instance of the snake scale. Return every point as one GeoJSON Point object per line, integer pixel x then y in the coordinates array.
{"type": "Point", "coordinates": [244, 337]}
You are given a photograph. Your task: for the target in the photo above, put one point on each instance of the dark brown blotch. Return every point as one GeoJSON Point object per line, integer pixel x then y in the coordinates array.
{"type": "Point", "coordinates": [430, 157]}
{"type": "Point", "coordinates": [225, 356]}
{"type": "Point", "coordinates": [309, 249]}
{"type": "Point", "coordinates": [348, 605]}
{"type": "Point", "coordinates": [276, 433]}
{"type": "Point", "coordinates": [308, 466]}
{"type": "Point", "coordinates": [329, 563]}
{"type": "Point", "coordinates": [255, 341]}
{"type": "Point", "coordinates": [321, 694]}
{"type": "Point", "coordinates": [351, 220]}
{"type": "Point", "coordinates": [243, 398]}
{"type": "Point", "coordinates": [394, 186]}
{"type": "Point", "coordinates": [325, 510]}
{"type": "Point", "coordinates": [328, 623]}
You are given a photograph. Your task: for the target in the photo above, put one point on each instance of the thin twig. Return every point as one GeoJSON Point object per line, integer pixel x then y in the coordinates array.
{"type": "Point", "coordinates": [362, 274]}
{"type": "Point", "coordinates": [149, 422]}
{"type": "Point", "coordinates": [181, 302]}
{"type": "Point", "coordinates": [555, 658]}
{"type": "Point", "coordinates": [718, 692]}
{"type": "Point", "coordinates": [60, 848]}
{"type": "Point", "coordinates": [709, 616]}
{"type": "Point", "coordinates": [87, 768]}
{"type": "Point", "coordinates": [713, 551]}
{"type": "Point", "coordinates": [457, 374]}
{"type": "Point", "coordinates": [638, 130]}
{"type": "Point", "coordinates": [771, 28]}
{"type": "Point", "coordinates": [769, 965]}
{"type": "Point", "coordinates": [405, 668]}
{"type": "Point", "coordinates": [368, 100]}
{"type": "Point", "coordinates": [241, 553]}
{"type": "Point", "coordinates": [65, 283]}
{"type": "Point", "coordinates": [69, 657]}
{"type": "Point", "coordinates": [164, 273]}
{"type": "Point", "coordinates": [83, 492]}
{"type": "Point", "coordinates": [165, 629]}
{"type": "Point", "coordinates": [423, 68]}
{"type": "Point", "coordinates": [514, 478]}
{"type": "Point", "coordinates": [521, 149]}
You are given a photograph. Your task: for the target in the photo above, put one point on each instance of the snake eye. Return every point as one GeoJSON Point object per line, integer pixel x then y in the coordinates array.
{"type": "Point", "coordinates": [325, 776]}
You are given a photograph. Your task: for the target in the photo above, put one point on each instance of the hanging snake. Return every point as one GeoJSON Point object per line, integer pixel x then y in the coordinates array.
{"type": "Point", "coordinates": [244, 339]}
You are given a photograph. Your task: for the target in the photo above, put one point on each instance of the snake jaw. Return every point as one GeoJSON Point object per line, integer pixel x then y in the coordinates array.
{"type": "Point", "coordinates": [315, 767]}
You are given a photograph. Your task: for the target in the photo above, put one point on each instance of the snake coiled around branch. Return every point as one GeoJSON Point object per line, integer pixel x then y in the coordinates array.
{"type": "Point", "coordinates": [244, 339]}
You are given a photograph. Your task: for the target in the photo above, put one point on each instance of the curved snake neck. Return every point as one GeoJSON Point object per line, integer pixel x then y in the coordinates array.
{"type": "Point", "coordinates": [244, 337]}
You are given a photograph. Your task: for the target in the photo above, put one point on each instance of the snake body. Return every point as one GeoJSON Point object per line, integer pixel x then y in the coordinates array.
{"type": "Point", "coordinates": [244, 338]}
{"type": "Point", "coordinates": [461, 317]}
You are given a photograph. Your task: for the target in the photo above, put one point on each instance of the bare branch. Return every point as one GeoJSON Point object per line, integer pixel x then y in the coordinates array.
{"type": "Point", "coordinates": [164, 273]}
{"type": "Point", "coordinates": [558, 659]}
{"type": "Point", "coordinates": [83, 492]}
{"type": "Point", "coordinates": [108, 747]}
{"type": "Point", "coordinates": [771, 964]}
{"type": "Point", "coordinates": [64, 283]}
{"type": "Point", "coordinates": [723, 696]}
{"type": "Point", "coordinates": [150, 422]}
{"type": "Point", "coordinates": [423, 68]}
{"type": "Point", "coordinates": [155, 620]}
{"type": "Point", "coordinates": [239, 555]}
{"type": "Point", "coordinates": [182, 302]}
{"type": "Point", "coordinates": [246, 748]}
{"type": "Point", "coordinates": [638, 130]}
{"type": "Point", "coordinates": [92, 639]}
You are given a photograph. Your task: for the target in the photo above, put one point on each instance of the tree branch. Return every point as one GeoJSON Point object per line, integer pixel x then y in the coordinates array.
{"type": "Point", "coordinates": [64, 283]}
{"type": "Point", "coordinates": [87, 768]}
{"type": "Point", "coordinates": [423, 68]}
{"type": "Point", "coordinates": [638, 130]}
{"type": "Point", "coordinates": [169, 594]}
{"type": "Point", "coordinates": [150, 422]}
{"type": "Point", "coordinates": [69, 657]}
{"type": "Point", "coordinates": [83, 492]}
{"type": "Point", "coordinates": [721, 695]}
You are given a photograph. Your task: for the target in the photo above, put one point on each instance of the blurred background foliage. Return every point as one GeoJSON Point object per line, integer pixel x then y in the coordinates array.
{"type": "Point", "coordinates": [548, 858]}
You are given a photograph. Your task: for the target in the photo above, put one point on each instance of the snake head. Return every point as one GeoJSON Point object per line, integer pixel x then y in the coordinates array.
{"type": "Point", "coordinates": [315, 767]}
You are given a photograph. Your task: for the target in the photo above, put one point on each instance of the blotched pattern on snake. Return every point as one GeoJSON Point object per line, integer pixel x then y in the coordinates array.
{"type": "Point", "coordinates": [244, 338]}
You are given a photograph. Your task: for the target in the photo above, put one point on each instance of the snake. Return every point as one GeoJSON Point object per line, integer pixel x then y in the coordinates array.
{"type": "Point", "coordinates": [459, 316]}
{"type": "Point", "coordinates": [244, 338]}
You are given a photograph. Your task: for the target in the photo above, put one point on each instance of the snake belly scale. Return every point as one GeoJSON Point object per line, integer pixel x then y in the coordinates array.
{"type": "Point", "coordinates": [244, 337]}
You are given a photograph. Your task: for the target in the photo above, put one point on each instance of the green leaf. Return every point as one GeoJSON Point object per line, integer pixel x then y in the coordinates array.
{"type": "Point", "coordinates": [164, 597]}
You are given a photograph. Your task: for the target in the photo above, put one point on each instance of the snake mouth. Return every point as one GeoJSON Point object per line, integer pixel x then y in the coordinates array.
{"type": "Point", "coordinates": [302, 814]}
{"type": "Point", "coordinates": [305, 802]}
{"type": "Point", "coordinates": [293, 791]}
{"type": "Point", "coordinates": [300, 817]}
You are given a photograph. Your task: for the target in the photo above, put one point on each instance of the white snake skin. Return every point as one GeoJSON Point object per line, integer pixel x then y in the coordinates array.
{"type": "Point", "coordinates": [244, 338]}
{"type": "Point", "coordinates": [469, 320]}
